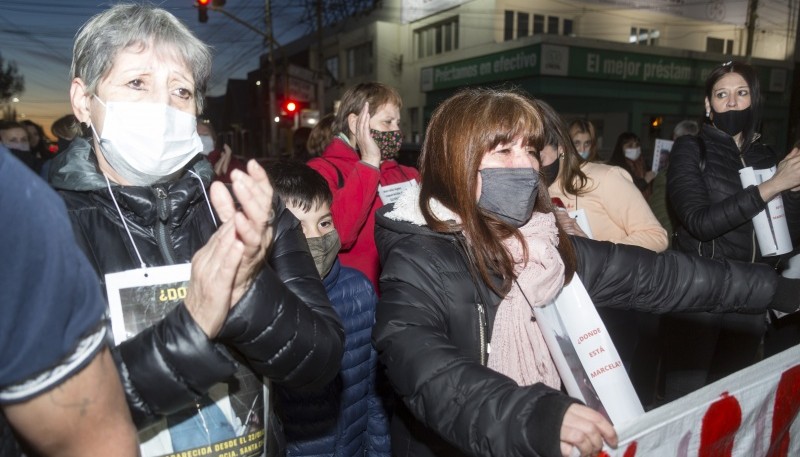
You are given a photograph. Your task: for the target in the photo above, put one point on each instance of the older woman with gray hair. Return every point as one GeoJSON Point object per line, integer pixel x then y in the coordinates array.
{"type": "Point", "coordinates": [210, 301]}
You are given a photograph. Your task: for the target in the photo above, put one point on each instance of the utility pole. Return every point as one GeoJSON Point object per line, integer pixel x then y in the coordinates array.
{"type": "Point", "coordinates": [271, 110]}
{"type": "Point", "coordinates": [320, 62]}
{"type": "Point", "coordinates": [752, 7]}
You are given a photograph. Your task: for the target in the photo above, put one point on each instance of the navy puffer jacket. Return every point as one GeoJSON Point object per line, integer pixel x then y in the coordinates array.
{"type": "Point", "coordinates": [348, 417]}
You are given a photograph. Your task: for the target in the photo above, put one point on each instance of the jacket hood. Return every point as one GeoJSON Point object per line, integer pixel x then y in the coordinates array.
{"type": "Point", "coordinates": [76, 169]}
{"type": "Point", "coordinates": [405, 216]}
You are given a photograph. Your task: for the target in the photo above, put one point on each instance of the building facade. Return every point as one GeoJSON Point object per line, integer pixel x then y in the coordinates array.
{"type": "Point", "coordinates": [626, 65]}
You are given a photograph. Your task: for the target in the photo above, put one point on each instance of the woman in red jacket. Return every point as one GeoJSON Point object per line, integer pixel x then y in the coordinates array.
{"type": "Point", "coordinates": [360, 167]}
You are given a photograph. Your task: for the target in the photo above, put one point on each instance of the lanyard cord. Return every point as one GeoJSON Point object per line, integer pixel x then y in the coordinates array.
{"type": "Point", "coordinates": [125, 224]}
{"type": "Point", "coordinates": [208, 202]}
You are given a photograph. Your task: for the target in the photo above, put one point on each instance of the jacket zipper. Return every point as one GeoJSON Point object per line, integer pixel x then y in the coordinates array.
{"type": "Point", "coordinates": [162, 238]}
{"type": "Point", "coordinates": [482, 333]}
{"type": "Point", "coordinates": [485, 347]}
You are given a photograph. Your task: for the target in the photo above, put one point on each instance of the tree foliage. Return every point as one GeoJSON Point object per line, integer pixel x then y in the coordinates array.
{"type": "Point", "coordinates": [11, 82]}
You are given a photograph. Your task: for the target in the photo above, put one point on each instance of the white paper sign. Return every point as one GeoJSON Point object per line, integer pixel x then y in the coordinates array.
{"type": "Point", "coordinates": [587, 360]}
{"type": "Point", "coordinates": [138, 299]}
{"type": "Point", "coordinates": [661, 152]}
{"type": "Point", "coordinates": [583, 222]}
{"type": "Point", "coordinates": [390, 193]}
{"type": "Point", "coordinates": [139, 290]}
{"type": "Point", "coordinates": [772, 231]}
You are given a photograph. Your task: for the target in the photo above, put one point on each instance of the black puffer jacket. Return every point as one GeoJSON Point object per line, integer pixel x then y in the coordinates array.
{"type": "Point", "coordinates": [714, 210]}
{"type": "Point", "coordinates": [434, 321]}
{"type": "Point", "coordinates": [284, 326]}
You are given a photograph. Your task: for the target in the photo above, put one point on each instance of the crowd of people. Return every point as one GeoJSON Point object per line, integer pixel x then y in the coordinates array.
{"type": "Point", "coordinates": [350, 305]}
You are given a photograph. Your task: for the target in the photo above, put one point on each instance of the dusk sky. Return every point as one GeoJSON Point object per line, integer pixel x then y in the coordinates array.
{"type": "Point", "coordinates": [38, 36]}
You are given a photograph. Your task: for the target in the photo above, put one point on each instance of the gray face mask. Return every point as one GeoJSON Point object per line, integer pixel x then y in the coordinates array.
{"type": "Point", "coordinates": [324, 249]}
{"type": "Point", "coordinates": [509, 193]}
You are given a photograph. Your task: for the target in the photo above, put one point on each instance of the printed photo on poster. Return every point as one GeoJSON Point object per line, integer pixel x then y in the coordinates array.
{"type": "Point", "coordinates": [227, 420]}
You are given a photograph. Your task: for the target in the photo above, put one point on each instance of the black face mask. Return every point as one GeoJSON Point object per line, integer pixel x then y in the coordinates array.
{"type": "Point", "coordinates": [733, 122]}
{"type": "Point", "coordinates": [550, 172]}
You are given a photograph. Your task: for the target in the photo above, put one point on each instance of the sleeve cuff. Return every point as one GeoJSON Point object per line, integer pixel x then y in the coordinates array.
{"type": "Point", "coordinates": [544, 426]}
{"type": "Point", "coordinates": [84, 352]}
{"type": "Point", "coordinates": [174, 362]}
{"type": "Point", "coordinates": [370, 165]}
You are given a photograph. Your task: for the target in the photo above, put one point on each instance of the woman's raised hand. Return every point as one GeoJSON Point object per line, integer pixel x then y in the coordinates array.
{"type": "Point", "coordinates": [787, 176]}
{"type": "Point", "coordinates": [214, 268]}
{"type": "Point", "coordinates": [252, 222]}
{"type": "Point", "coordinates": [370, 152]}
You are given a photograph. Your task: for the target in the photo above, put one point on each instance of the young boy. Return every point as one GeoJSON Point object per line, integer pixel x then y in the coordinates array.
{"type": "Point", "coordinates": [347, 418]}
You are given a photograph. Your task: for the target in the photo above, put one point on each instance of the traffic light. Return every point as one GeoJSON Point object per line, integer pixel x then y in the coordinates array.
{"type": "Point", "coordinates": [289, 109]}
{"type": "Point", "coordinates": [202, 10]}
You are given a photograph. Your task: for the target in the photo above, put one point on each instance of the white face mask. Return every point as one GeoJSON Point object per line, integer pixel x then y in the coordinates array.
{"type": "Point", "coordinates": [633, 153]}
{"type": "Point", "coordinates": [208, 144]}
{"type": "Point", "coordinates": [147, 142]}
{"type": "Point", "coordinates": [18, 146]}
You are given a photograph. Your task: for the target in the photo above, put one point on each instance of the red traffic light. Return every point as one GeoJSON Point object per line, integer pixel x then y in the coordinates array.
{"type": "Point", "coordinates": [202, 10]}
{"type": "Point", "coordinates": [290, 107]}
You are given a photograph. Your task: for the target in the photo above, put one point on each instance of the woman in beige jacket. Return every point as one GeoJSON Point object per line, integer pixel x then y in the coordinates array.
{"type": "Point", "coordinates": [616, 211]}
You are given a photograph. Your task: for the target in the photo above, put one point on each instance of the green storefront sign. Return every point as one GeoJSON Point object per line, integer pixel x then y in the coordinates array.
{"type": "Point", "coordinates": [514, 64]}
{"type": "Point", "coordinates": [625, 66]}
{"type": "Point", "coordinates": [579, 62]}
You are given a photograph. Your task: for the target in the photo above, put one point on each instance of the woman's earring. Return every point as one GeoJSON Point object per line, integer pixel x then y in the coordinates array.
{"type": "Point", "coordinates": [708, 113]}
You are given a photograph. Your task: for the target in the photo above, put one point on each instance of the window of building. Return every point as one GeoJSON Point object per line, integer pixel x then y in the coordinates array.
{"type": "Point", "coordinates": [332, 64]}
{"type": "Point", "coordinates": [719, 45]}
{"type": "Point", "coordinates": [359, 60]}
{"type": "Point", "coordinates": [437, 38]}
{"type": "Point", "coordinates": [648, 37]}
{"type": "Point", "coordinates": [552, 25]}
{"type": "Point", "coordinates": [567, 27]}
{"type": "Point", "coordinates": [522, 24]}
{"type": "Point", "coordinates": [508, 26]}
{"type": "Point", "coordinates": [538, 24]}
{"type": "Point", "coordinates": [517, 24]}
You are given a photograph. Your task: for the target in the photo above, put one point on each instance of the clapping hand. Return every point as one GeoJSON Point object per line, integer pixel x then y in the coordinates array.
{"type": "Point", "coordinates": [214, 267]}
{"type": "Point", "coordinates": [252, 222]}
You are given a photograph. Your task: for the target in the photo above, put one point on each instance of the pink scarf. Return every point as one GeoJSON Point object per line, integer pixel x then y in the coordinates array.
{"type": "Point", "coordinates": [518, 348]}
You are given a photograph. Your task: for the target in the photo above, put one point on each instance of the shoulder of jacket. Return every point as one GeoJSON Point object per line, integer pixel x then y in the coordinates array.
{"type": "Point", "coordinates": [355, 280]}
{"type": "Point", "coordinates": [428, 251]}
{"type": "Point", "coordinates": [604, 174]}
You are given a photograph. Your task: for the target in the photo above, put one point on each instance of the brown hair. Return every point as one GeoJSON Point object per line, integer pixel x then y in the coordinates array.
{"type": "Point", "coordinates": [584, 126]}
{"type": "Point", "coordinates": [461, 131]}
{"type": "Point", "coordinates": [320, 136]}
{"type": "Point", "coordinates": [66, 127]}
{"type": "Point", "coordinates": [374, 93]}
{"type": "Point", "coordinates": [573, 180]}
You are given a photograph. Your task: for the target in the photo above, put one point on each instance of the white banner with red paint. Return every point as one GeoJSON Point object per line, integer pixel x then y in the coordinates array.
{"type": "Point", "coordinates": [750, 413]}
